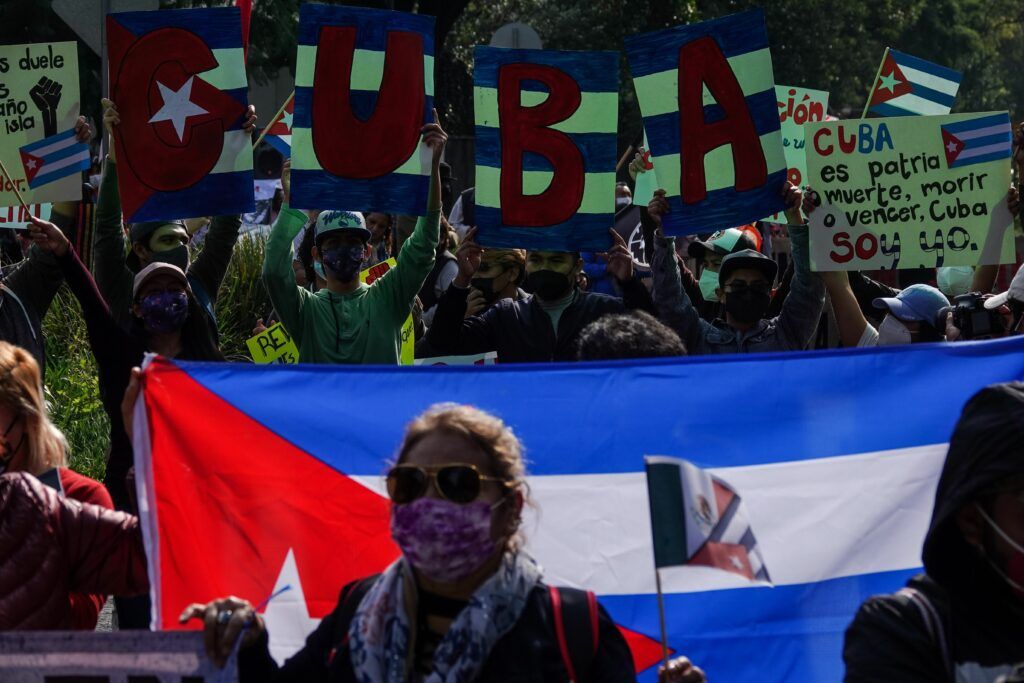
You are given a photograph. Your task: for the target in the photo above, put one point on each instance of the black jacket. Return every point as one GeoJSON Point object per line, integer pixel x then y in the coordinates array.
{"type": "Point", "coordinates": [979, 619]}
{"type": "Point", "coordinates": [529, 652]}
{"type": "Point", "coordinates": [521, 331]}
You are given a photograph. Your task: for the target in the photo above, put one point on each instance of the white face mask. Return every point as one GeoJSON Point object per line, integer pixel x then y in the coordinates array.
{"type": "Point", "coordinates": [892, 331]}
{"type": "Point", "coordinates": [622, 201]}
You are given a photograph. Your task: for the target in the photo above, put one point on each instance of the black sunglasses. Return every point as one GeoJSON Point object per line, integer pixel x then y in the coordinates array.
{"type": "Point", "coordinates": [458, 482]}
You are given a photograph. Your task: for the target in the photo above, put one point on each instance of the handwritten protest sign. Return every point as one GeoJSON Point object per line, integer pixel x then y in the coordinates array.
{"type": "Point", "coordinates": [38, 98]}
{"type": "Point", "coordinates": [118, 657]}
{"type": "Point", "coordinates": [910, 192]}
{"type": "Point", "coordinates": [546, 127]}
{"type": "Point", "coordinates": [273, 345]}
{"type": "Point", "coordinates": [364, 88]}
{"type": "Point", "coordinates": [707, 94]}
{"type": "Point", "coordinates": [16, 216]}
{"type": "Point", "coordinates": [489, 358]}
{"type": "Point", "coordinates": [798, 106]}
{"type": "Point", "coordinates": [178, 79]}
{"type": "Point", "coordinates": [408, 352]}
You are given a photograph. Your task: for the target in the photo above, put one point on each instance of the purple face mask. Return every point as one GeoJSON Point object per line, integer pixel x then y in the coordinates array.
{"type": "Point", "coordinates": [443, 541]}
{"type": "Point", "coordinates": [164, 311]}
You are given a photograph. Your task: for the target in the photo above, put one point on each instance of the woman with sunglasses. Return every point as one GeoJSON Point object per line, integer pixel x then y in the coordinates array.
{"type": "Point", "coordinates": [464, 602]}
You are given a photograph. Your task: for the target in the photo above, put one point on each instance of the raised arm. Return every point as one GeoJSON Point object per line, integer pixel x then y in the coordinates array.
{"type": "Point", "coordinates": [801, 311]}
{"type": "Point", "coordinates": [113, 277]}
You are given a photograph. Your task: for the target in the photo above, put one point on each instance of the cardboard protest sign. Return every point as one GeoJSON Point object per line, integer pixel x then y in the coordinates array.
{"type": "Point", "coordinates": [910, 86]}
{"type": "Point", "coordinates": [364, 88]}
{"type": "Point", "coordinates": [117, 657]}
{"type": "Point", "coordinates": [546, 126]}
{"type": "Point", "coordinates": [16, 217]}
{"type": "Point", "coordinates": [273, 345]}
{"type": "Point", "coordinates": [910, 192]}
{"type": "Point", "coordinates": [798, 106]}
{"type": "Point", "coordinates": [39, 98]}
{"type": "Point", "coordinates": [178, 80]}
{"type": "Point", "coordinates": [408, 352]}
{"type": "Point", "coordinates": [707, 94]}
{"type": "Point", "coordinates": [489, 358]}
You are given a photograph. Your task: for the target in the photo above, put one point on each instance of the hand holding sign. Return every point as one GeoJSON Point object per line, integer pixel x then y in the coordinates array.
{"type": "Point", "coordinates": [658, 207]}
{"type": "Point", "coordinates": [224, 620]}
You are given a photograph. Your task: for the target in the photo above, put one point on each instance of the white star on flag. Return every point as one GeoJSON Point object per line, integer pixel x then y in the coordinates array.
{"type": "Point", "coordinates": [889, 82]}
{"type": "Point", "coordinates": [951, 146]}
{"type": "Point", "coordinates": [287, 616]}
{"type": "Point", "coordinates": [31, 164]}
{"type": "Point", "coordinates": [178, 107]}
{"type": "Point", "coordinates": [286, 119]}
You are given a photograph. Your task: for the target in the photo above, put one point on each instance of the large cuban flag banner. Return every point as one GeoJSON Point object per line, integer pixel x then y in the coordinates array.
{"type": "Point", "coordinates": [245, 485]}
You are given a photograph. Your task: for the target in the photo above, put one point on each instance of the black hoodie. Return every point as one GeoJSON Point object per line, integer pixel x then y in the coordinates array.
{"type": "Point", "coordinates": [978, 631]}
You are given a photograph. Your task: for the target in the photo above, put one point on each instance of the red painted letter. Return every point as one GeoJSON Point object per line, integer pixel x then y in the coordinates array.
{"type": "Point", "coordinates": [700, 62]}
{"type": "Point", "coordinates": [346, 145]}
{"type": "Point", "coordinates": [526, 129]}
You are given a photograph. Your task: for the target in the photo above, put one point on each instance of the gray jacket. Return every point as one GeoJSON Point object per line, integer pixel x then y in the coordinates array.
{"type": "Point", "coordinates": [792, 330]}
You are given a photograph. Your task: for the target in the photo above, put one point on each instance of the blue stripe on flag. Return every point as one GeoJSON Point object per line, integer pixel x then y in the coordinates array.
{"type": "Point", "coordinates": [593, 71]}
{"type": "Point", "coordinates": [664, 128]}
{"type": "Point", "coordinates": [724, 208]}
{"type": "Point", "coordinates": [372, 25]}
{"type": "Point", "coordinates": [279, 144]}
{"type": "Point", "coordinates": [45, 178]}
{"type": "Point", "coordinates": [997, 139]}
{"type": "Point", "coordinates": [982, 158]}
{"type": "Point", "coordinates": [172, 205]}
{"type": "Point", "coordinates": [582, 229]}
{"type": "Point", "coordinates": [887, 109]}
{"type": "Point", "coordinates": [65, 152]}
{"type": "Point", "coordinates": [736, 34]}
{"type": "Point", "coordinates": [219, 27]}
{"type": "Point", "coordinates": [799, 628]}
{"type": "Point", "coordinates": [903, 59]}
{"type": "Point", "coordinates": [598, 149]}
{"type": "Point", "coordinates": [394, 193]}
{"type": "Point", "coordinates": [363, 104]}
{"type": "Point", "coordinates": [811, 404]}
{"type": "Point", "coordinates": [977, 123]}
{"type": "Point", "coordinates": [46, 142]}
{"type": "Point", "coordinates": [933, 95]}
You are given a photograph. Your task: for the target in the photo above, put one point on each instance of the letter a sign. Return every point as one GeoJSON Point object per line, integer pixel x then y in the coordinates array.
{"type": "Point", "coordinates": [545, 148]}
{"type": "Point", "coordinates": [707, 94]}
{"type": "Point", "coordinates": [364, 88]}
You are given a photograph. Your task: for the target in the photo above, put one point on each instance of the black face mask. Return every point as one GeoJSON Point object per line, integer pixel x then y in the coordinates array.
{"type": "Point", "coordinates": [748, 306]}
{"type": "Point", "coordinates": [485, 285]}
{"type": "Point", "coordinates": [549, 285]}
{"type": "Point", "coordinates": [176, 256]}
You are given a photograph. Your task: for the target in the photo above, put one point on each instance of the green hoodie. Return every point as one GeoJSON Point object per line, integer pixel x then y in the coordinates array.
{"type": "Point", "coordinates": [363, 326]}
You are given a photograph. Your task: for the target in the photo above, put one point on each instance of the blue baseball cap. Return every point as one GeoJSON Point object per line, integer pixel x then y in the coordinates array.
{"type": "Point", "coordinates": [920, 303]}
{"type": "Point", "coordinates": [331, 221]}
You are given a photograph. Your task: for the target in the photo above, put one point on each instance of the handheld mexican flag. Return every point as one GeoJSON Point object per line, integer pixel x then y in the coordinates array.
{"type": "Point", "coordinates": [699, 520]}
{"type": "Point", "coordinates": [910, 86]}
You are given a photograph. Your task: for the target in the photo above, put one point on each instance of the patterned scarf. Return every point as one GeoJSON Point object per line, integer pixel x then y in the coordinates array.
{"type": "Point", "coordinates": [379, 635]}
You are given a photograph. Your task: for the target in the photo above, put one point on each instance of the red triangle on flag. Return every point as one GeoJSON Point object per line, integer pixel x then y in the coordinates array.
{"type": "Point", "coordinates": [646, 651]}
{"type": "Point", "coordinates": [891, 82]}
{"type": "Point", "coordinates": [283, 124]}
{"type": "Point", "coordinates": [952, 146]}
{"type": "Point", "coordinates": [32, 165]}
{"type": "Point", "coordinates": [730, 557]}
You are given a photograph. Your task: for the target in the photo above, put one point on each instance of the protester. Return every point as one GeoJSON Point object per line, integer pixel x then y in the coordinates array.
{"type": "Point", "coordinates": [745, 281]}
{"type": "Point", "coordinates": [464, 604]}
{"type": "Point", "coordinates": [542, 327]}
{"type": "Point", "coordinates": [155, 241]}
{"type": "Point", "coordinates": [1013, 299]}
{"type": "Point", "coordinates": [348, 321]}
{"type": "Point", "coordinates": [708, 254]}
{"type": "Point", "coordinates": [446, 267]}
{"type": "Point", "coordinates": [962, 619]}
{"type": "Point", "coordinates": [912, 316]}
{"type": "Point", "coordinates": [636, 334]}
{"type": "Point", "coordinates": [31, 443]}
{"type": "Point", "coordinates": [381, 227]}
{"type": "Point", "coordinates": [499, 276]}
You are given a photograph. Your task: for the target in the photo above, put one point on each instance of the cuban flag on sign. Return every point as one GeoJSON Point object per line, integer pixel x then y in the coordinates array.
{"type": "Point", "coordinates": [178, 80]}
{"type": "Point", "coordinates": [834, 456]}
{"type": "Point", "coordinates": [910, 86]}
{"type": "Point", "coordinates": [53, 158]}
{"type": "Point", "coordinates": [279, 132]}
{"type": "Point", "coordinates": [977, 140]}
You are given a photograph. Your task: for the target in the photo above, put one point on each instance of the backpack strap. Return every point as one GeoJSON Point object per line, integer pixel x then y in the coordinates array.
{"type": "Point", "coordinates": [575, 618]}
{"type": "Point", "coordinates": [933, 623]}
{"type": "Point", "coordinates": [348, 604]}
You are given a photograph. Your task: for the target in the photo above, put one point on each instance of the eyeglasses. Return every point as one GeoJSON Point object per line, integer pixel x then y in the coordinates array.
{"type": "Point", "coordinates": [458, 482]}
{"type": "Point", "coordinates": [739, 286]}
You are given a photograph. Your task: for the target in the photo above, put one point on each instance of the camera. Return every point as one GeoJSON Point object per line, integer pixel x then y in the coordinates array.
{"type": "Point", "coordinates": [972, 319]}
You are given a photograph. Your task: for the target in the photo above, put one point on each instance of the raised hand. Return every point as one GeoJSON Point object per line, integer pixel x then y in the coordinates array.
{"type": "Point", "coordinates": [469, 255]}
{"type": "Point", "coordinates": [250, 120]}
{"type": "Point", "coordinates": [793, 197]}
{"type": "Point", "coordinates": [48, 237]}
{"type": "Point", "coordinates": [110, 119]}
{"type": "Point", "coordinates": [811, 200]}
{"type": "Point", "coordinates": [620, 260]}
{"type": "Point", "coordinates": [83, 131]}
{"type": "Point", "coordinates": [641, 163]}
{"type": "Point", "coordinates": [46, 96]}
{"type": "Point", "coordinates": [435, 138]}
{"type": "Point", "coordinates": [658, 207]}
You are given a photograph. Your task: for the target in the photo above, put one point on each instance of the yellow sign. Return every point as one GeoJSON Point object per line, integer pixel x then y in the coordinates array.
{"type": "Point", "coordinates": [273, 345]}
{"type": "Point", "coordinates": [408, 327]}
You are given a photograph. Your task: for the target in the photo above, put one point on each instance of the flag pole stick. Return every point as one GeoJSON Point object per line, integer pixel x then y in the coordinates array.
{"type": "Point", "coordinates": [14, 186]}
{"type": "Point", "coordinates": [874, 84]}
{"type": "Point", "coordinates": [273, 120]}
{"type": "Point", "coordinates": [661, 618]}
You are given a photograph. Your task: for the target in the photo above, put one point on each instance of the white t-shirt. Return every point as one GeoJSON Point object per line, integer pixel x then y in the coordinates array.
{"type": "Point", "coordinates": [869, 338]}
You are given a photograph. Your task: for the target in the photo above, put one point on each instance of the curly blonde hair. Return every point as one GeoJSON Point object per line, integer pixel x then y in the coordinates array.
{"type": "Point", "coordinates": [21, 388]}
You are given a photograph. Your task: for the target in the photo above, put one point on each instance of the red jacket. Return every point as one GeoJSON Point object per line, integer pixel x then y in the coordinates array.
{"type": "Point", "coordinates": [52, 546]}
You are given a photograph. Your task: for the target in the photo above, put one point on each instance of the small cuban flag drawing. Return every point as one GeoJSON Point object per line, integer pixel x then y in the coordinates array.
{"type": "Point", "coordinates": [698, 520]}
{"type": "Point", "coordinates": [53, 158]}
{"type": "Point", "coordinates": [910, 86]}
{"type": "Point", "coordinates": [279, 132]}
{"type": "Point", "coordinates": [975, 141]}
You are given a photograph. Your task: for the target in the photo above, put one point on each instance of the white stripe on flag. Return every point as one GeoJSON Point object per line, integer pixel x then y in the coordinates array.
{"type": "Point", "coordinates": [55, 147]}
{"type": "Point", "coordinates": [928, 80]}
{"type": "Point", "coordinates": [236, 143]}
{"type": "Point", "coordinates": [815, 520]}
{"type": "Point", "coordinates": [983, 132]}
{"type": "Point", "coordinates": [63, 163]}
{"type": "Point", "coordinates": [978, 151]}
{"type": "Point", "coordinates": [738, 526]}
{"type": "Point", "coordinates": [918, 105]}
